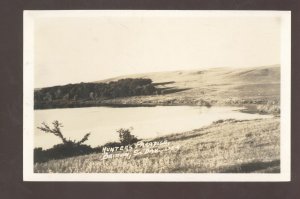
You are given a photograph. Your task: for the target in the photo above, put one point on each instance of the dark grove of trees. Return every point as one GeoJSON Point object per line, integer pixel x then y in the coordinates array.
{"type": "Point", "coordinates": [93, 91]}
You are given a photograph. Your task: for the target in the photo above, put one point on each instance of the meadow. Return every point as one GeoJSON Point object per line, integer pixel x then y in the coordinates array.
{"type": "Point", "coordinates": [253, 86]}
{"type": "Point", "coordinates": [208, 87]}
{"type": "Point", "coordinates": [230, 146]}
{"type": "Point", "coordinates": [226, 146]}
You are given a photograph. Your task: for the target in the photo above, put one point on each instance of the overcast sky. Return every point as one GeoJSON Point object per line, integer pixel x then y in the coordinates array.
{"type": "Point", "coordinates": [82, 49]}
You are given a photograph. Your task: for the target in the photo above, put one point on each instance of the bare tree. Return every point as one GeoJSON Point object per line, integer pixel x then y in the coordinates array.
{"type": "Point", "coordinates": [57, 132]}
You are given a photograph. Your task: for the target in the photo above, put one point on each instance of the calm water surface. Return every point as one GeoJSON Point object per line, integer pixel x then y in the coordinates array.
{"type": "Point", "coordinates": [147, 122]}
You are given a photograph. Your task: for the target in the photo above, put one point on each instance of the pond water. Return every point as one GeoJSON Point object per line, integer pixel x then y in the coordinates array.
{"type": "Point", "coordinates": [146, 122]}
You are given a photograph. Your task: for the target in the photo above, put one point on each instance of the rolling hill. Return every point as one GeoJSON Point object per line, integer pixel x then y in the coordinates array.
{"type": "Point", "coordinates": [253, 85]}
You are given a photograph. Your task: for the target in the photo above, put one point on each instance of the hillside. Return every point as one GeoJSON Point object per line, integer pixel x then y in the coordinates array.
{"type": "Point", "coordinates": [253, 85]}
{"type": "Point", "coordinates": [225, 146]}
{"type": "Point", "coordinates": [215, 86]}
{"type": "Point", "coordinates": [229, 146]}
{"type": "Point", "coordinates": [262, 74]}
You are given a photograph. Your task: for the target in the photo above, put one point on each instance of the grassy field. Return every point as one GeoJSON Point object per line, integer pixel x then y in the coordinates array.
{"type": "Point", "coordinates": [255, 87]}
{"type": "Point", "coordinates": [222, 86]}
{"type": "Point", "coordinates": [224, 147]}
{"type": "Point", "coordinates": [228, 146]}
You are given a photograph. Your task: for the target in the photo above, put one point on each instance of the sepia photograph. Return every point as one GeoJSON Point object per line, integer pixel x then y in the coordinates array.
{"type": "Point", "coordinates": [138, 95]}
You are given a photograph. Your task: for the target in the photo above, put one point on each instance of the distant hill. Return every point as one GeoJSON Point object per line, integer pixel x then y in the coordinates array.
{"type": "Point", "coordinates": [221, 75]}
{"type": "Point", "coordinates": [250, 82]}
{"type": "Point", "coordinates": [213, 86]}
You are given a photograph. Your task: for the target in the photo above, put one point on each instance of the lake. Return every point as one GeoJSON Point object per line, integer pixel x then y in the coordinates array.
{"type": "Point", "coordinates": [146, 122]}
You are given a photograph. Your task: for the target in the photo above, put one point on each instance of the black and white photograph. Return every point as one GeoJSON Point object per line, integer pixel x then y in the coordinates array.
{"type": "Point", "coordinates": [135, 95]}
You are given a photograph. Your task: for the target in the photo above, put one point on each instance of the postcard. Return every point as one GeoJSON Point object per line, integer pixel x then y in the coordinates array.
{"type": "Point", "coordinates": [132, 95]}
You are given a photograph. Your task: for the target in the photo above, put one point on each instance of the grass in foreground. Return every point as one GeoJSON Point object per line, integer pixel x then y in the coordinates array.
{"type": "Point", "coordinates": [228, 146]}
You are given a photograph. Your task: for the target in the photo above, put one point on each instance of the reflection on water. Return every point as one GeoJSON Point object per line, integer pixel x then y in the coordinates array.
{"type": "Point", "coordinates": [147, 122]}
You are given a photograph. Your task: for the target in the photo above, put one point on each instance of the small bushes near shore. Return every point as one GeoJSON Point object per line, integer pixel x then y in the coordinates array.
{"type": "Point", "coordinates": [69, 148]}
{"type": "Point", "coordinates": [269, 108]}
{"type": "Point", "coordinates": [226, 121]}
{"type": "Point", "coordinates": [125, 137]}
{"type": "Point", "coordinates": [61, 151]}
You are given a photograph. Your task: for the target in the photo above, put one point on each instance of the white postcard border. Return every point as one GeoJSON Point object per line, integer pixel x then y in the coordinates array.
{"type": "Point", "coordinates": [28, 116]}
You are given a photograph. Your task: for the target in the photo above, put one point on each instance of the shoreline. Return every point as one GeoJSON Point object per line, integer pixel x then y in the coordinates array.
{"type": "Point", "coordinates": [263, 108]}
{"type": "Point", "coordinates": [254, 135]}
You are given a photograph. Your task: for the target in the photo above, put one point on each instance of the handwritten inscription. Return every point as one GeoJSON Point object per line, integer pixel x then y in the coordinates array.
{"type": "Point", "coordinates": [140, 148]}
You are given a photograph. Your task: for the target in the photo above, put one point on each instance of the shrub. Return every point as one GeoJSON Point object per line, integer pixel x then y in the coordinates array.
{"type": "Point", "coordinates": [125, 136]}
{"type": "Point", "coordinates": [269, 109]}
{"type": "Point", "coordinates": [60, 151]}
{"type": "Point", "coordinates": [67, 148]}
{"type": "Point", "coordinates": [99, 149]}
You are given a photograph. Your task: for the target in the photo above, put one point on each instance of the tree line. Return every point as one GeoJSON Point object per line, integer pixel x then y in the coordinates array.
{"type": "Point", "coordinates": [92, 91]}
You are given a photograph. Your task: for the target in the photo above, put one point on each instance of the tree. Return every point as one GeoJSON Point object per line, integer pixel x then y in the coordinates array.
{"type": "Point", "coordinates": [68, 148]}
{"type": "Point", "coordinates": [57, 132]}
{"type": "Point", "coordinates": [60, 96]}
{"type": "Point", "coordinates": [125, 136]}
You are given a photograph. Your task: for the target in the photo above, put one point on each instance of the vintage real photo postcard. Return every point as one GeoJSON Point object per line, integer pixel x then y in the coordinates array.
{"type": "Point", "coordinates": [157, 95]}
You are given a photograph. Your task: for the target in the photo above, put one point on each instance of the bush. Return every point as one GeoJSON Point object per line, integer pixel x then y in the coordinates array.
{"type": "Point", "coordinates": [112, 144]}
{"type": "Point", "coordinates": [125, 137]}
{"type": "Point", "coordinates": [68, 147]}
{"type": "Point", "coordinates": [60, 151]}
{"type": "Point", "coordinates": [269, 109]}
{"type": "Point", "coordinates": [99, 149]}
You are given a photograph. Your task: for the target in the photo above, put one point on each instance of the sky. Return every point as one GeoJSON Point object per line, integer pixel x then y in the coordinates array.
{"type": "Point", "coordinates": [74, 49]}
